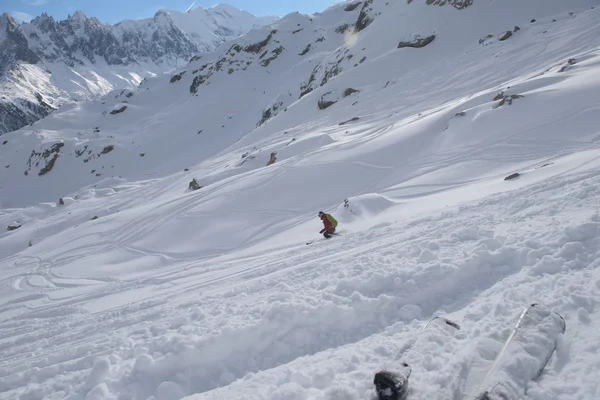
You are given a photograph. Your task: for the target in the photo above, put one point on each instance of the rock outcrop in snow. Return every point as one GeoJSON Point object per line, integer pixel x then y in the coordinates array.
{"type": "Point", "coordinates": [256, 84]}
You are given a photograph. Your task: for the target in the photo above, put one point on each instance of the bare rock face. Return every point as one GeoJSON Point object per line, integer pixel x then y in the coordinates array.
{"type": "Point", "coordinates": [458, 4]}
{"type": "Point", "coordinates": [46, 157]}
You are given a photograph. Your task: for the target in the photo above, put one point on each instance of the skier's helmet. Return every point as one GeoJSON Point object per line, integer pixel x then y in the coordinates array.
{"type": "Point", "coordinates": [321, 213]}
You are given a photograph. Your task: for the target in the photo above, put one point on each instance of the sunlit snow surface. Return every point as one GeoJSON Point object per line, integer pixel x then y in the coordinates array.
{"type": "Point", "coordinates": [214, 294]}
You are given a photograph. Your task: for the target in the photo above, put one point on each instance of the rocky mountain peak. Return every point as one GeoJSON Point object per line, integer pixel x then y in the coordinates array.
{"type": "Point", "coordinates": [7, 23]}
{"type": "Point", "coordinates": [109, 56]}
{"type": "Point", "coordinates": [78, 16]}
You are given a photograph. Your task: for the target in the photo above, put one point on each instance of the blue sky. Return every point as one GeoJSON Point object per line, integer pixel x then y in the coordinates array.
{"type": "Point", "coordinates": [113, 11]}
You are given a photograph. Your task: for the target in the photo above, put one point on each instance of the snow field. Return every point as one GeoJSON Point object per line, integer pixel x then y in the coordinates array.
{"type": "Point", "coordinates": [331, 306]}
{"type": "Point", "coordinates": [174, 294]}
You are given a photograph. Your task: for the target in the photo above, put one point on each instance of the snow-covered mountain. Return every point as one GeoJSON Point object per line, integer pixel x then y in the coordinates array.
{"type": "Point", "coordinates": [45, 63]}
{"type": "Point", "coordinates": [156, 237]}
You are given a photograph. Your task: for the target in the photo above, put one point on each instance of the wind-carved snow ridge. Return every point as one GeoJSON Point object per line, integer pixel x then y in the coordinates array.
{"type": "Point", "coordinates": [153, 242]}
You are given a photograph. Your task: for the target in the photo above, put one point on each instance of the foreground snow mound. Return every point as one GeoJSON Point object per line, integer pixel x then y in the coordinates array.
{"type": "Point", "coordinates": [524, 355]}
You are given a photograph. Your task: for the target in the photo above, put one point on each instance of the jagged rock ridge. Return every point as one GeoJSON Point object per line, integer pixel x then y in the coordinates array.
{"type": "Point", "coordinates": [47, 62]}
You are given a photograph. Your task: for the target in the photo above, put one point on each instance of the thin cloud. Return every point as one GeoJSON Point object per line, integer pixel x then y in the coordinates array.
{"type": "Point", "coordinates": [21, 16]}
{"type": "Point", "coordinates": [35, 2]}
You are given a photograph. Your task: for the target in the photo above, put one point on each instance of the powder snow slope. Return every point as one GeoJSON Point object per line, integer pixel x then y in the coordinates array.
{"type": "Point", "coordinates": [134, 286]}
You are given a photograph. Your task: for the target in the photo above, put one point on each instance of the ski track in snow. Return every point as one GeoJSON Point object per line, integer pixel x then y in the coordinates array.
{"type": "Point", "coordinates": [267, 311]}
{"type": "Point", "coordinates": [214, 294]}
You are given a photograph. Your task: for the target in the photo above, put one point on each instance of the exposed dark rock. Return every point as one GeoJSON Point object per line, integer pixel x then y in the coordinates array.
{"type": "Point", "coordinates": [417, 42]}
{"type": "Point", "coordinates": [458, 4]}
{"type": "Point", "coordinates": [483, 40]}
{"type": "Point", "coordinates": [324, 102]}
{"type": "Point", "coordinates": [342, 28]}
{"type": "Point", "coordinates": [506, 36]}
{"type": "Point", "coordinates": [258, 47]}
{"type": "Point", "coordinates": [198, 80]}
{"type": "Point", "coordinates": [48, 166]}
{"type": "Point", "coordinates": [120, 110]}
{"type": "Point", "coordinates": [364, 18]}
{"type": "Point", "coordinates": [352, 7]}
{"type": "Point", "coordinates": [13, 227]}
{"type": "Point", "coordinates": [306, 50]}
{"type": "Point", "coordinates": [349, 92]}
{"type": "Point", "coordinates": [350, 120]}
{"type": "Point", "coordinates": [512, 176]}
{"type": "Point", "coordinates": [269, 113]}
{"type": "Point", "coordinates": [273, 158]}
{"type": "Point", "coordinates": [194, 185]}
{"type": "Point", "coordinates": [274, 54]}
{"type": "Point", "coordinates": [107, 149]}
{"type": "Point", "coordinates": [570, 62]}
{"type": "Point", "coordinates": [506, 99]}
{"type": "Point", "coordinates": [36, 157]}
{"type": "Point", "coordinates": [544, 165]}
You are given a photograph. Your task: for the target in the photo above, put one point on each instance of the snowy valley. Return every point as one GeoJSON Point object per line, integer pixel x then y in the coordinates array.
{"type": "Point", "coordinates": [47, 63]}
{"type": "Point", "coordinates": [156, 237]}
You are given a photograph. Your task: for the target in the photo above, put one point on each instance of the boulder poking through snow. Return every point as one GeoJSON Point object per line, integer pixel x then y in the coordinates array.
{"type": "Point", "coordinates": [118, 110]}
{"type": "Point", "coordinates": [194, 185]}
{"type": "Point", "coordinates": [416, 41]}
{"type": "Point", "coordinates": [327, 100]}
{"type": "Point", "coordinates": [350, 92]}
{"type": "Point", "coordinates": [273, 158]}
{"type": "Point", "coordinates": [505, 36]}
{"type": "Point", "coordinates": [330, 98]}
{"type": "Point", "coordinates": [348, 121]}
{"type": "Point", "coordinates": [512, 176]}
{"type": "Point", "coordinates": [13, 227]}
{"type": "Point", "coordinates": [505, 99]}
{"type": "Point", "coordinates": [65, 201]}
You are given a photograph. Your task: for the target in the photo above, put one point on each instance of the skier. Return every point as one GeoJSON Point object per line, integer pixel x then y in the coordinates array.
{"type": "Point", "coordinates": [330, 224]}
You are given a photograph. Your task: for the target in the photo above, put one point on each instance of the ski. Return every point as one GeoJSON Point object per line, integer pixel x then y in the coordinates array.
{"type": "Point", "coordinates": [524, 355]}
{"type": "Point", "coordinates": [393, 384]}
{"type": "Point", "coordinates": [314, 240]}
